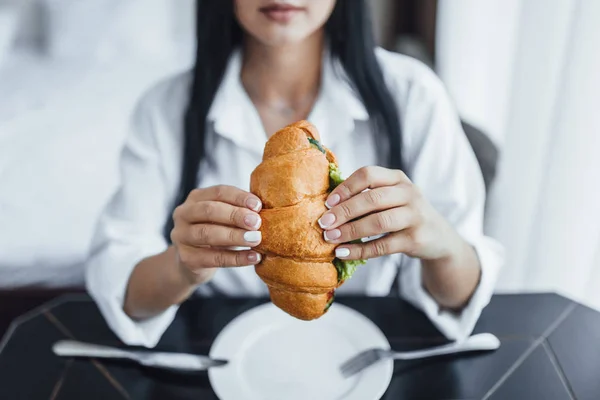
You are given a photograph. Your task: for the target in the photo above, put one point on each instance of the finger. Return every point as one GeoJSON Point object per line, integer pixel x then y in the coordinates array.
{"type": "Point", "coordinates": [206, 257]}
{"type": "Point", "coordinates": [227, 194]}
{"type": "Point", "coordinates": [364, 178]}
{"type": "Point", "coordinates": [387, 221]}
{"type": "Point", "coordinates": [364, 203]}
{"type": "Point", "coordinates": [398, 242]}
{"type": "Point", "coordinates": [218, 213]}
{"type": "Point", "coordinates": [198, 235]}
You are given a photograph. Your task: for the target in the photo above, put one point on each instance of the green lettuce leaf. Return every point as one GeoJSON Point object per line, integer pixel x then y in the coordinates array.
{"type": "Point", "coordinates": [316, 144]}
{"type": "Point", "coordinates": [345, 268]}
{"type": "Point", "coordinates": [330, 301]}
{"type": "Point", "coordinates": [335, 176]}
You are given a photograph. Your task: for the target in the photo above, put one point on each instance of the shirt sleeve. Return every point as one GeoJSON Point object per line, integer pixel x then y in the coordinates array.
{"type": "Point", "coordinates": [441, 163]}
{"type": "Point", "coordinates": [131, 229]}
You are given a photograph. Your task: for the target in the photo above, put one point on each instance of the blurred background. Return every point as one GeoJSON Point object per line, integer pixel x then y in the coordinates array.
{"type": "Point", "coordinates": [524, 75]}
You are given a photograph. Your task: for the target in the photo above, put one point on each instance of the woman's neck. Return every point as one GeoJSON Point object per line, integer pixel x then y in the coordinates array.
{"type": "Point", "coordinates": [285, 75]}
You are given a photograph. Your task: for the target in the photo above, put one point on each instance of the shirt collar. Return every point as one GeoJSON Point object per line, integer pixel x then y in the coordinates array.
{"type": "Point", "coordinates": [336, 109]}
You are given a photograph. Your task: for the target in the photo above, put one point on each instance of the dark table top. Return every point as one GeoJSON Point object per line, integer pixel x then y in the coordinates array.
{"type": "Point", "coordinates": [550, 350]}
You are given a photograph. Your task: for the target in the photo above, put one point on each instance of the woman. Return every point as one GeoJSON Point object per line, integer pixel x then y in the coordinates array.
{"type": "Point", "coordinates": [182, 212]}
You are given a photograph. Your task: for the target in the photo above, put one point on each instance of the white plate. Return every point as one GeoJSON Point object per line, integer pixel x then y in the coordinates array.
{"type": "Point", "coordinates": [275, 356]}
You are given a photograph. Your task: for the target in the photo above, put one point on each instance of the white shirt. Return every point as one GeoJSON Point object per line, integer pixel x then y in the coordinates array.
{"type": "Point", "coordinates": [436, 153]}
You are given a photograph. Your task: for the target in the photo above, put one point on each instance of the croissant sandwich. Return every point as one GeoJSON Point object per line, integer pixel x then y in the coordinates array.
{"type": "Point", "coordinates": [293, 181]}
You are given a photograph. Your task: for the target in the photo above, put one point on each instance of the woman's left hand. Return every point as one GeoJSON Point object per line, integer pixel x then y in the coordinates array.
{"type": "Point", "coordinates": [392, 206]}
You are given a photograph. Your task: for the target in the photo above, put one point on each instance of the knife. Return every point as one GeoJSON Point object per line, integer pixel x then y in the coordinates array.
{"type": "Point", "coordinates": [175, 361]}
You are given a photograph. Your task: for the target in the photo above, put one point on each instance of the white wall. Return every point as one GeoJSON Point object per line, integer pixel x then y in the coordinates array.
{"type": "Point", "coordinates": [528, 72]}
{"type": "Point", "coordinates": [475, 48]}
{"type": "Point", "coordinates": [64, 110]}
{"type": "Point", "coordinates": [565, 234]}
{"type": "Point", "coordinates": [540, 57]}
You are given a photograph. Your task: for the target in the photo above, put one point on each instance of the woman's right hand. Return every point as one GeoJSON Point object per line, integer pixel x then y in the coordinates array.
{"type": "Point", "coordinates": [208, 224]}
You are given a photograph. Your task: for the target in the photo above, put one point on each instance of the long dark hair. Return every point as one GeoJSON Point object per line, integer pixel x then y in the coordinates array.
{"type": "Point", "coordinates": [351, 41]}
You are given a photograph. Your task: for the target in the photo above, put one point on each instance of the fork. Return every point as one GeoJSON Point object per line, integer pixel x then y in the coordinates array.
{"type": "Point", "coordinates": [479, 342]}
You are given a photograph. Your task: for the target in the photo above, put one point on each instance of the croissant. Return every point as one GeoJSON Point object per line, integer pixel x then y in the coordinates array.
{"type": "Point", "coordinates": [293, 181]}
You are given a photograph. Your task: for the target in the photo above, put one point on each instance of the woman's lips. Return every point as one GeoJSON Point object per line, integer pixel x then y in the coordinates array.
{"type": "Point", "coordinates": [281, 13]}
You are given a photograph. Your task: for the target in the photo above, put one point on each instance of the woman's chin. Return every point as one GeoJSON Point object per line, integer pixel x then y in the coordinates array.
{"type": "Point", "coordinates": [281, 36]}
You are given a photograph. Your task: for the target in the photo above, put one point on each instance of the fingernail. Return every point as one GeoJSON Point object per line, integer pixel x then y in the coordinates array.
{"type": "Point", "coordinates": [326, 220]}
{"type": "Point", "coordinates": [254, 257]}
{"type": "Point", "coordinates": [254, 204]}
{"type": "Point", "coordinates": [342, 252]}
{"type": "Point", "coordinates": [332, 234]}
{"type": "Point", "coordinates": [333, 200]}
{"type": "Point", "coordinates": [252, 236]}
{"type": "Point", "coordinates": [252, 220]}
